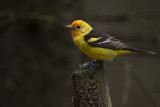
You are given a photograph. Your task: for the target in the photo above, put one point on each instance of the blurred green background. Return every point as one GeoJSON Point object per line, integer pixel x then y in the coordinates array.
{"type": "Point", "coordinates": [38, 56]}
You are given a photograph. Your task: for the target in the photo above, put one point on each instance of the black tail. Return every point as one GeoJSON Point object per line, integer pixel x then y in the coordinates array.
{"type": "Point", "coordinates": [140, 50]}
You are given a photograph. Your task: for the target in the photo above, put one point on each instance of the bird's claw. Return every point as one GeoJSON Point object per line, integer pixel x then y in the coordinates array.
{"type": "Point", "coordinates": [91, 64]}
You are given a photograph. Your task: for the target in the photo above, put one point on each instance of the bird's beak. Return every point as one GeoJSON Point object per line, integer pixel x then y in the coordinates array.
{"type": "Point", "coordinates": [69, 26]}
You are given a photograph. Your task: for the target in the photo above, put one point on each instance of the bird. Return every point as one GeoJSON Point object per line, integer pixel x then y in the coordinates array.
{"type": "Point", "coordinates": [99, 45]}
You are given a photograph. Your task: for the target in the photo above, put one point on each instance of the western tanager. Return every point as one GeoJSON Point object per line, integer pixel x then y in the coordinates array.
{"type": "Point", "coordinates": [99, 45]}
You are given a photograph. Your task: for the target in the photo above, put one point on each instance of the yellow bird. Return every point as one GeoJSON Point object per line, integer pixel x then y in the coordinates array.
{"type": "Point", "coordinates": [98, 45]}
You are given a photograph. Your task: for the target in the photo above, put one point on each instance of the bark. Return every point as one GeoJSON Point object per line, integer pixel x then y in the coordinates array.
{"type": "Point", "coordinates": [91, 87]}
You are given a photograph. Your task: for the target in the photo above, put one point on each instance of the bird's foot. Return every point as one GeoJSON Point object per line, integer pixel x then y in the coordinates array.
{"type": "Point", "coordinates": [90, 64]}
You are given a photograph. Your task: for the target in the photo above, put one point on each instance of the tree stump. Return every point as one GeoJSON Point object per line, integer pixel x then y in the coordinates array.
{"type": "Point", "coordinates": [91, 87]}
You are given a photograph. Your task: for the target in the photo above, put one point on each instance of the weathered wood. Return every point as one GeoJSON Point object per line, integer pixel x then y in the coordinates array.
{"type": "Point", "coordinates": [91, 87]}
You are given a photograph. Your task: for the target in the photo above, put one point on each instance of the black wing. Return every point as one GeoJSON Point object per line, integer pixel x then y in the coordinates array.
{"type": "Point", "coordinates": [105, 41]}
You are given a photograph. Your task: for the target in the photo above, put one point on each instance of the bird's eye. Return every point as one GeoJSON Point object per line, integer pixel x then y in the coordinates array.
{"type": "Point", "coordinates": [78, 27]}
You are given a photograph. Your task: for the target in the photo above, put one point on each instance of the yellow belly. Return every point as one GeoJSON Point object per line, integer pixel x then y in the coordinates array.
{"type": "Point", "coordinates": [99, 53]}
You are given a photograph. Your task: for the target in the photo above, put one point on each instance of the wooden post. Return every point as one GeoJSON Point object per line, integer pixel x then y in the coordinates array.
{"type": "Point", "coordinates": [91, 87]}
